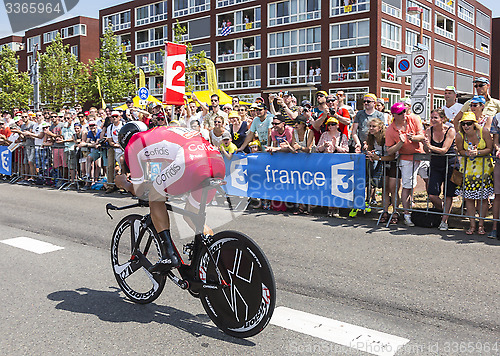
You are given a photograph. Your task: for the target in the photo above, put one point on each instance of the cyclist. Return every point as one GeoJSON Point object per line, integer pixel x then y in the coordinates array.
{"type": "Point", "coordinates": [179, 160]}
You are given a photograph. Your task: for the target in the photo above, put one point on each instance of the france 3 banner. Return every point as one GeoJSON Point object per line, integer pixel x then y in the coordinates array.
{"type": "Point", "coordinates": [335, 180]}
{"type": "Point", "coordinates": [5, 161]}
{"type": "Point", "coordinates": [174, 74]}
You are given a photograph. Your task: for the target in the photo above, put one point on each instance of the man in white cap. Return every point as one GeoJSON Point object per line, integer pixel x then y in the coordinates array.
{"type": "Point", "coordinates": [452, 107]}
{"type": "Point", "coordinates": [115, 151]}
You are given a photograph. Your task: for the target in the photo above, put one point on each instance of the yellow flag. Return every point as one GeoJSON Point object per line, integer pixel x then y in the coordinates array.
{"type": "Point", "coordinates": [248, 26]}
{"type": "Point", "coordinates": [449, 3]}
{"type": "Point", "coordinates": [142, 79]}
{"type": "Point", "coordinates": [211, 76]}
{"type": "Point", "coordinates": [100, 93]}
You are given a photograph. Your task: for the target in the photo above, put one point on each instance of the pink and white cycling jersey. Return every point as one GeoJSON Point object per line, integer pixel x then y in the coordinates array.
{"type": "Point", "coordinates": [186, 159]}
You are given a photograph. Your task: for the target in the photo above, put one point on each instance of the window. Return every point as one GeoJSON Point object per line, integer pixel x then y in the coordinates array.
{"type": "Point", "coordinates": [223, 3]}
{"type": "Point", "coordinates": [412, 40]}
{"type": "Point", "coordinates": [186, 7]}
{"type": "Point", "coordinates": [392, 7]}
{"type": "Point", "coordinates": [151, 13]}
{"type": "Point", "coordinates": [465, 35]}
{"type": "Point", "coordinates": [443, 78]}
{"type": "Point", "coordinates": [482, 65]}
{"type": "Point", "coordinates": [466, 11]}
{"type": "Point", "coordinates": [482, 43]}
{"type": "Point", "coordinates": [295, 41]}
{"type": "Point", "coordinates": [350, 34]}
{"type": "Point", "coordinates": [30, 62]}
{"type": "Point", "coordinates": [291, 11]}
{"type": "Point", "coordinates": [388, 68]}
{"type": "Point", "coordinates": [76, 30]}
{"type": "Point", "coordinates": [445, 26]}
{"type": "Point", "coordinates": [150, 38]}
{"type": "Point", "coordinates": [198, 81]}
{"type": "Point", "coordinates": [294, 72]}
{"type": "Point", "coordinates": [50, 36]}
{"type": "Point", "coordinates": [120, 21]}
{"type": "Point", "coordinates": [391, 36]}
{"type": "Point", "coordinates": [346, 7]}
{"type": "Point", "coordinates": [147, 61]}
{"type": "Point", "coordinates": [32, 41]}
{"type": "Point", "coordinates": [448, 5]}
{"type": "Point", "coordinates": [196, 29]}
{"type": "Point", "coordinates": [415, 19]}
{"type": "Point", "coordinates": [465, 59]}
{"type": "Point", "coordinates": [241, 20]}
{"type": "Point", "coordinates": [483, 21]}
{"type": "Point", "coordinates": [345, 68]}
{"type": "Point", "coordinates": [201, 47]}
{"type": "Point", "coordinates": [124, 42]}
{"type": "Point", "coordinates": [239, 77]}
{"type": "Point", "coordinates": [239, 49]}
{"type": "Point", "coordinates": [353, 96]}
{"type": "Point", "coordinates": [464, 83]}
{"type": "Point", "coordinates": [74, 50]}
{"type": "Point", "coordinates": [438, 101]}
{"type": "Point", "coordinates": [394, 96]}
{"type": "Point", "coordinates": [444, 52]}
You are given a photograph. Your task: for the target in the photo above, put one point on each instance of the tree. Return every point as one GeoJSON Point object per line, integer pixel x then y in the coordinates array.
{"type": "Point", "coordinates": [15, 88]}
{"type": "Point", "coordinates": [115, 72]}
{"type": "Point", "coordinates": [62, 76]}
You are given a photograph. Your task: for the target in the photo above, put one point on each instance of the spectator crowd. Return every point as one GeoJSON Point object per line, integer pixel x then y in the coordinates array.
{"type": "Point", "coordinates": [454, 150]}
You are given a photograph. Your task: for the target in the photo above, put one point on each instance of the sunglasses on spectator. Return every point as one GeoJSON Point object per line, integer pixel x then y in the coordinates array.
{"type": "Point", "coordinates": [242, 110]}
{"type": "Point", "coordinates": [217, 122]}
{"type": "Point", "coordinates": [214, 100]}
{"type": "Point", "coordinates": [332, 124]}
{"type": "Point", "coordinates": [467, 123]}
{"type": "Point", "coordinates": [330, 100]}
{"type": "Point", "coordinates": [368, 101]}
{"type": "Point", "coordinates": [479, 85]}
{"type": "Point", "coordinates": [320, 96]}
{"type": "Point", "coordinates": [475, 105]}
{"type": "Point", "coordinates": [227, 108]}
{"type": "Point", "coordinates": [25, 117]}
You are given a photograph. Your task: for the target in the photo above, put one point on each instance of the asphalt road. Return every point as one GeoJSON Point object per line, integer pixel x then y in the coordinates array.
{"type": "Point", "coordinates": [440, 291]}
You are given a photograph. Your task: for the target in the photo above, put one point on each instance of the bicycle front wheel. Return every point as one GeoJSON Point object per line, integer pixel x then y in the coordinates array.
{"type": "Point", "coordinates": [131, 267]}
{"type": "Point", "coordinates": [244, 308]}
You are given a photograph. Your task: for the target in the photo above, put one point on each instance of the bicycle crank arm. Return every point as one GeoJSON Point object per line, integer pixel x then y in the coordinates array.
{"type": "Point", "coordinates": [181, 283]}
{"type": "Point", "coordinates": [198, 286]}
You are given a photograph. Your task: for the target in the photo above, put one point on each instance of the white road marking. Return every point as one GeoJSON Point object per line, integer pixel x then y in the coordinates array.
{"type": "Point", "coordinates": [29, 244]}
{"type": "Point", "coordinates": [357, 337]}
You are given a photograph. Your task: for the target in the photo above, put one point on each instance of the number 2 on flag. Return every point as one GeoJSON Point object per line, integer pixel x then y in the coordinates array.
{"type": "Point", "coordinates": [177, 79]}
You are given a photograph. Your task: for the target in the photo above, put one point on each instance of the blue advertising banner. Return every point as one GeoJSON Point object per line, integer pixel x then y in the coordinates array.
{"type": "Point", "coordinates": [336, 180]}
{"type": "Point", "coordinates": [5, 161]}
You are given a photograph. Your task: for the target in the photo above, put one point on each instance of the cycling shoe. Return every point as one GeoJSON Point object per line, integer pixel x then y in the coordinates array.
{"type": "Point", "coordinates": [166, 264]}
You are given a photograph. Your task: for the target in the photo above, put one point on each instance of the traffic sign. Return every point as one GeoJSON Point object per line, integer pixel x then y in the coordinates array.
{"type": "Point", "coordinates": [419, 85]}
{"type": "Point", "coordinates": [143, 93]}
{"type": "Point", "coordinates": [419, 106]}
{"type": "Point", "coordinates": [403, 65]}
{"type": "Point", "coordinates": [420, 61]}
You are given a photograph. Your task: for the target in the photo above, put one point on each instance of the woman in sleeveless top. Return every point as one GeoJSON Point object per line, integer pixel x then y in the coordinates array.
{"type": "Point", "coordinates": [303, 138]}
{"type": "Point", "coordinates": [473, 143]}
{"type": "Point", "coordinates": [238, 130]}
{"type": "Point", "coordinates": [440, 142]}
{"type": "Point", "coordinates": [217, 131]}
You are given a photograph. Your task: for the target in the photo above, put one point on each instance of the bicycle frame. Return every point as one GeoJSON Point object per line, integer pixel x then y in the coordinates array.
{"type": "Point", "coordinates": [187, 272]}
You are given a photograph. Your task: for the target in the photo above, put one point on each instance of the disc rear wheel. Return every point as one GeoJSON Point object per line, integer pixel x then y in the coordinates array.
{"type": "Point", "coordinates": [245, 306]}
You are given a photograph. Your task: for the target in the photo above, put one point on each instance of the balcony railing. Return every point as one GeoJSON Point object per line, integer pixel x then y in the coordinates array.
{"type": "Point", "coordinates": [223, 3]}
{"type": "Point", "coordinates": [238, 56]}
{"type": "Point", "coordinates": [444, 33]}
{"type": "Point", "coordinates": [151, 19]}
{"type": "Point", "coordinates": [192, 10]}
{"type": "Point", "coordinates": [252, 83]}
{"type": "Point", "coordinates": [443, 5]}
{"type": "Point", "coordinates": [391, 10]}
{"type": "Point", "coordinates": [149, 44]}
{"type": "Point", "coordinates": [119, 27]}
{"type": "Point", "coordinates": [300, 79]}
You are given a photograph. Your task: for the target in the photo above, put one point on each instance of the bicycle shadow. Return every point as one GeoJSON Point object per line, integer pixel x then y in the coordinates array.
{"type": "Point", "coordinates": [112, 307]}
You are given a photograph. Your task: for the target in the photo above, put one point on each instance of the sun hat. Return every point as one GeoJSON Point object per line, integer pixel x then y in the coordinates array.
{"type": "Point", "coordinates": [398, 108]}
{"type": "Point", "coordinates": [468, 116]}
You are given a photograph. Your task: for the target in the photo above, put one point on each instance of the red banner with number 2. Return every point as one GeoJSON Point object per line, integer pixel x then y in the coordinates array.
{"type": "Point", "coordinates": [174, 74]}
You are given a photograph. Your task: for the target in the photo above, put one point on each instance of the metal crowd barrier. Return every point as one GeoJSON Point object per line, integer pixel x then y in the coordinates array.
{"type": "Point", "coordinates": [47, 174]}
{"type": "Point", "coordinates": [421, 157]}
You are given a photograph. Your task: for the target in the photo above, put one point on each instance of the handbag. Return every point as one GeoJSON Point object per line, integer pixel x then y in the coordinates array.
{"type": "Point", "coordinates": [457, 177]}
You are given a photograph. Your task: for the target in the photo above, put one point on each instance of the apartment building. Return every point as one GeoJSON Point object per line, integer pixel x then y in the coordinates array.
{"type": "Point", "coordinates": [260, 47]}
{"type": "Point", "coordinates": [80, 33]}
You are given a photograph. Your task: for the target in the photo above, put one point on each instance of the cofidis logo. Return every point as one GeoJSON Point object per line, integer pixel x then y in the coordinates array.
{"type": "Point", "coordinates": [24, 15]}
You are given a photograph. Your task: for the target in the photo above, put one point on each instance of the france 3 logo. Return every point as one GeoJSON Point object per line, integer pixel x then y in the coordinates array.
{"type": "Point", "coordinates": [29, 14]}
{"type": "Point", "coordinates": [5, 161]}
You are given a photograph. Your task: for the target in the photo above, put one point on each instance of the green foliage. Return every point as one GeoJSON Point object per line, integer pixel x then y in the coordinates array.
{"type": "Point", "coordinates": [62, 76]}
{"type": "Point", "coordinates": [15, 88]}
{"type": "Point", "coordinates": [116, 73]}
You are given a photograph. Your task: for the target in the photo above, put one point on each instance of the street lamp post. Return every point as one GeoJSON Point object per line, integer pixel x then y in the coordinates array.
{"type": "Point", "coordinates": [416, 10]}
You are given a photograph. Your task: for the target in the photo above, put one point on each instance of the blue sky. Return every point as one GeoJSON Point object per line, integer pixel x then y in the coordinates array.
{"type": "Point", "coordinates": [91, 8]}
